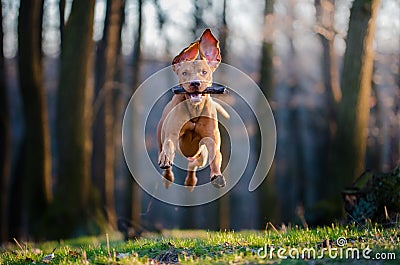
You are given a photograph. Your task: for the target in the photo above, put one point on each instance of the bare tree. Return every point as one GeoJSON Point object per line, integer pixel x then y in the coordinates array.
{"type": "Point", "coordinates": [134, 195]}
{"type": "Point", "coordinates": [5, 142]}
{"type": "Point", "coordinates": [74, 207]}
{"type": "Point", "coordinates": [137, 51]}
{"type": "Point", "coordinates": [325, 10]}
{"type": "Point", "coordinates": [61, 10]}
{"type": "Point", "coordinates": [37, 160]}
{"type": "Point", "coordinates": [108, 51]}
{"type": "Point", "coordinates": [137, 58]}
{"type": "Point", "coordinates": [198, 15]}
{"type": "Point", "coordinates": [290, 183]}
{"type": "Point", "coordinates": [353, 110]}
{"type": "Point", "coordinates": [266, 192]}
{"type": "Point", "coordinates": [224, 201]}
{"type": "Point", "coordinates": [325, 21]}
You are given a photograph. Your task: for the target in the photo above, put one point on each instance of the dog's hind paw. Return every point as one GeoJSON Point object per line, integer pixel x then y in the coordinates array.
{"type": "Point", "coordinates": [167, 183]}
{"type": "Point", "coordinates": [190, 183]}
{"type": "Point", "coordinates": [218, 181]}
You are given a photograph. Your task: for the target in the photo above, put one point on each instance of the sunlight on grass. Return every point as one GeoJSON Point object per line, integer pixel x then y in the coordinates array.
{"type": "Point", "coordinates": [204, 247]}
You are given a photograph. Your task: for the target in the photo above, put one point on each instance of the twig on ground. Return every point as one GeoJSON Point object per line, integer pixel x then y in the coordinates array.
{"type": "Point", "coordinates": [18, 244]}
{"type": "Point", "coordinates": [108, 245]}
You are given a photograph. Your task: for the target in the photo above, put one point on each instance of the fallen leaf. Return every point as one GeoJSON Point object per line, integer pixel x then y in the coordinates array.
{"type": "Point", "coordinates": [123, 255]}
{"type": "Point", "coordinates": [48, 258]}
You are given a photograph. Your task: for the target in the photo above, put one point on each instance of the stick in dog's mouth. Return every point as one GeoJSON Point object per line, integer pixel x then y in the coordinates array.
{"type": "Point", "coordinates": [214, 89]}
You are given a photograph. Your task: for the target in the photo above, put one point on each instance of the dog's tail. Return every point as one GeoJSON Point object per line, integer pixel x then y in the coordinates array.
{"type": "Point", "coordinates": [221, 109]}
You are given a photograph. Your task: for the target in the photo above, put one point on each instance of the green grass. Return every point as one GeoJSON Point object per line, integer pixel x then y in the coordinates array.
{"type": "Point", "coordinates": [202, 247]}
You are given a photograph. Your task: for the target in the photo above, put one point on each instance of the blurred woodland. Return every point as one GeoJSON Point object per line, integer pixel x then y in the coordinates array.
{"type": "Point", "coordinates": [329, 69]}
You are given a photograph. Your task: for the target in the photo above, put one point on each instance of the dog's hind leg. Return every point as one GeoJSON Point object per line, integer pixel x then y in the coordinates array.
{"type": "Point", "coordinates": [213, 146]}
{"type": "Point", "coordinates": [168, 177]}
{"type": "Point", "coordinates": [191, 179]}
{"type": "Point", "coordinates": [196, 161]}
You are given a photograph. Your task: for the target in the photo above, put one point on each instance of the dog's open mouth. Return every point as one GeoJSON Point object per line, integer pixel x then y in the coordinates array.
{"type": "Point", "coordinates": [195, 97]}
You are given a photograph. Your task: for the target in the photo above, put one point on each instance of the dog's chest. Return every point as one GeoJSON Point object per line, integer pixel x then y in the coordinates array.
{"type": "Point", "coordinates": [195, 126]}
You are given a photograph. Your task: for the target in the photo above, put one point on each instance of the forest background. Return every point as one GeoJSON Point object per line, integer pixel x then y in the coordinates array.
{"type": "Point", "coordinates": [329, 69]}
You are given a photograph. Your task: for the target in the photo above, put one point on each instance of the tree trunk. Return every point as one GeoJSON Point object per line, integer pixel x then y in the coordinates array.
{"type": "Point", "coordinates": [136, 198]}
{"type": "Point", "coordinates": [98, 128]}
{"type": "Point", "coordinates": [61, 10]}
{"type": "Point", "coordinates": [137, 47]}
{"type": "Point", "coordinates": [353, 111]}
{"type": "Point", "coordinates": [224, 201]}
{"type": "Point", "coordinates": [266, 192]}
{"type": "Point", "coordinates": [119, 102]}
{"type": "Point", "coordinates": [5, 142]}
{"type": "Point", "coordinates": [37, 161]}
{"type": "Point", "coordinates": [325, 21]}
{"type": "Point", "coordinates": [112, 40]}
{"type": "Point", "coordinates": [325, 11]}
{"type": "Point", "coordinates": [73, 123]}
{"type": "Point", "coordinates": [286, 162]}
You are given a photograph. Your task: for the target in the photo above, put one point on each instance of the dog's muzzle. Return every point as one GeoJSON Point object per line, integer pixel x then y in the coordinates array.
{"type": "Point", "coordinates": [195, 84]}
{"type": "Point", "coordinates": [195, 97]}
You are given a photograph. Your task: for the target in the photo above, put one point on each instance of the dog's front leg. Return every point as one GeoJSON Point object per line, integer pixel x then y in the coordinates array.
{"type": "Point", "coordinates": [167, 154]}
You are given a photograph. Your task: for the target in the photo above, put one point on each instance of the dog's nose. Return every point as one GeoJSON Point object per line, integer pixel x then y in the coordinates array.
{"type": "Point", "coordinates": [195, 83]}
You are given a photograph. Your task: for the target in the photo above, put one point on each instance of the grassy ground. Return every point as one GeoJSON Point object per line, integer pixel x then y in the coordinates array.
{"type": "Point", "coordinates": [202, 247]}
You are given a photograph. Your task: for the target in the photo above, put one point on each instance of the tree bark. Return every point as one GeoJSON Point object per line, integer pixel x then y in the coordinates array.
{"type": "Point", "coordinates": [325, 11]}
{"type": "Point", "coordinates": [136, 197]}
{"type": "Point", "coordinates": [61, 10]}
{"type": "Point", "coordinates": [5, 142]}
{"type": "Point", "coordinates": [112, 40]}
{"type": "Point", "coordinates": [137, 47]}
{"type": "Point", "coordinates": [266, 192]}
{"type": "Point", "coordinates": [325, 21]}
{"type": "Point", "coordinates": [353, 110]}
{"type": "Point", "coordinates": [73, 123]}
{"type": "Point", "coordinates": [119, 102]}
{"type": "Point", "coordinates": [37, 161]}
{"type": "Point", "coordinates": [224, 201]}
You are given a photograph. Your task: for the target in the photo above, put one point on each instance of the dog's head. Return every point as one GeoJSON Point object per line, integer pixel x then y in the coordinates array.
{"type": "Point", "coordinates": [195, 74]}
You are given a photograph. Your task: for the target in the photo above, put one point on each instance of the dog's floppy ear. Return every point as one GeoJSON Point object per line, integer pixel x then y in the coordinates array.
{"type": "Point", "coordinates": [209, 49]}
{"type": "Point", "coordinates": [188, 54]}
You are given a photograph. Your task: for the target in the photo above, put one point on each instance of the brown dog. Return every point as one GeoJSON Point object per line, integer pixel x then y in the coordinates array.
{"type": "Point", "coordinates": [189, 121]}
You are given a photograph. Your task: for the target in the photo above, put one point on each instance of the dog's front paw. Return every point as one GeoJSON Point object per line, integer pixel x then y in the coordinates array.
{"type": "Point", "coordinates": [163, 161]}
{"type": "Point", "coordinates": [218, 181]}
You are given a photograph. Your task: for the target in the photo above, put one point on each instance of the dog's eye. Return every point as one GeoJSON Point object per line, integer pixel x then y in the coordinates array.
{"type": "Point", "coordinates": [184, 73]}
{"type": "Point", "coordinates": [203, 72]}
